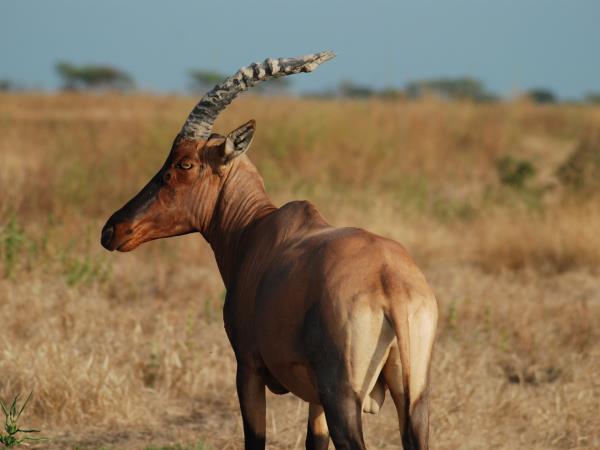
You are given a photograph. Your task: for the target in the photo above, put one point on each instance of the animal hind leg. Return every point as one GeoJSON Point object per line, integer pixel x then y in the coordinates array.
{"type": "Point", "coordinates": [325, 347]}
{"type": "Point", "coordinates": [417, 434]}
{"type": "Point", "coordinates": [414, 417]}
{"type": "Point", "coordinates": [392, 374]}
{"type": "Point", "coordinates": [317, 433]}
{"type": "Point", "coordinates": [422, 328]}
{"type": "Point", "coordinates": [343, 409]}
{"type": "Point", "coordinates": [414, 429]}
{"type": "Point", "coordinates": [251, 394]}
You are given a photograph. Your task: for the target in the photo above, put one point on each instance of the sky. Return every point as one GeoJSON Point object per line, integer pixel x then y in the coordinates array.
{"type": "Point", "coordinates": [510, 45]}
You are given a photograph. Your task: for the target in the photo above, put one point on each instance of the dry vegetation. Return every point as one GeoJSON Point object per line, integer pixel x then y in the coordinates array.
{"type": "Point", "coordinates": [128, 350]}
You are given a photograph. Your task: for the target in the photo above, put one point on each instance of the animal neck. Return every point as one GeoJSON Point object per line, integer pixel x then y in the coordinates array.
{"type": "Point", "coordinates": [242, 202]}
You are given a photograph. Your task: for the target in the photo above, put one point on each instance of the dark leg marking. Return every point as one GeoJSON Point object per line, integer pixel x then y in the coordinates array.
{"type": "Point", "coordinates": [343, 412]}
{"type": "Point", "coordinates": [416, 434]}
{"type": "Point", "coordinates": [316, 442]}
{"type": "Point", "coordinates": [342, 405]}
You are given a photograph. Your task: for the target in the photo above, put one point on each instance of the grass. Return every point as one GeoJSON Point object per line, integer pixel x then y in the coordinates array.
{"type": "Point", "coordinates": [198, 446]}
{"type": "Point", "coordinates": [125, 351]}
{"type": "Point", "coordinates": [13, 435]}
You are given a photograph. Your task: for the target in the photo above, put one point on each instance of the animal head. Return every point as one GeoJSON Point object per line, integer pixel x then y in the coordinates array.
{"type": "Point", "coordinates": [182, 196]}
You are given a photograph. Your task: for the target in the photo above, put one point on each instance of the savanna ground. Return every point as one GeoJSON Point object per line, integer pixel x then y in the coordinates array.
{"type": "Point", "coordinates": [127, 351]}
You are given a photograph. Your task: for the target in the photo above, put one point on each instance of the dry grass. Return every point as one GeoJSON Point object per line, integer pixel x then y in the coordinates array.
{"type": "Point", "coordinates": [126, 350]}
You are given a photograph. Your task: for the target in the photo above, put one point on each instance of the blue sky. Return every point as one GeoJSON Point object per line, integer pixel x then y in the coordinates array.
{"type": "Point", "coordinates": [509, 44]}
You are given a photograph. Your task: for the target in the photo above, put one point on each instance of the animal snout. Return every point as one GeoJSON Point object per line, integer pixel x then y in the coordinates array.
{"type": "Point", "coordinates": [107, 234]}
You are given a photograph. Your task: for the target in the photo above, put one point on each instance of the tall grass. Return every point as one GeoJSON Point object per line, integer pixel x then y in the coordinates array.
{"type": "Point", "coordinates": [133, 343]}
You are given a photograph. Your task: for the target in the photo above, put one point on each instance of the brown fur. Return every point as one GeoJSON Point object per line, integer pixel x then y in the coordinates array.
{"type": "Point", "coordinates": [333, 315]}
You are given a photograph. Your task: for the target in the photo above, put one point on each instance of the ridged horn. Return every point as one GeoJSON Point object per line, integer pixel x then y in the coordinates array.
{"type": "Point", "coordinates": [200, 121]}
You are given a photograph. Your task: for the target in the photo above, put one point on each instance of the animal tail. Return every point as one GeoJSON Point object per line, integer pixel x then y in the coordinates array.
{"type": "Point", "coordinates": [415, 368]}
{"type": "Point", "coordinates": [398, 315]}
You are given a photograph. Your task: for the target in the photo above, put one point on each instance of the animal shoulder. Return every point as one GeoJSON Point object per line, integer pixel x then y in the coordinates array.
{"type": "Point", "coordinates": [301, 210]}
{"type": "Point", "coordinates": [298, 217]}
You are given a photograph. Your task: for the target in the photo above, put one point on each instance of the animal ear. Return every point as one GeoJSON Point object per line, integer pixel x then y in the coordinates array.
{"type": "Point", "coordinates": [238, 141]}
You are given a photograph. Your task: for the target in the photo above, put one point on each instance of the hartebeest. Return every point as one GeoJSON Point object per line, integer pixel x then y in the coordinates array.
{"type": "Point", "coordinates": [334, 315]}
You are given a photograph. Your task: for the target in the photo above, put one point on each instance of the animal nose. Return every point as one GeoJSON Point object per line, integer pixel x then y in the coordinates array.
{"type": "Point", "coordinates": [107, 234]}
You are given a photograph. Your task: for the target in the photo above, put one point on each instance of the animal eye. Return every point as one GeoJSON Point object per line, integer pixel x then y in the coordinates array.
{"type": "Point", "coordinates": [184, 165]}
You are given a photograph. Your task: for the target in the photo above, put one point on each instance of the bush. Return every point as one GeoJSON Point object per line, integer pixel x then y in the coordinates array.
{"type": "Point", "coordinates": [514, 172]}
{"type": "Point", "coordinates": [465, 88]}
{"type": "Point", "coordinates": [541, 95]}
{"type": "Point", "coordinates": [581, 170]}
{"type": "Point", "coordinates": [593, 98]}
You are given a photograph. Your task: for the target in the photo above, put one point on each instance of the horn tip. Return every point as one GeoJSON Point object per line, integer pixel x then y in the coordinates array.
{"type": "Point", "coordinates": [326, 55]}
{"type": "Point", "coordinates": [315, 60]}
{"type": "Point", "coordinates": [322, 57]}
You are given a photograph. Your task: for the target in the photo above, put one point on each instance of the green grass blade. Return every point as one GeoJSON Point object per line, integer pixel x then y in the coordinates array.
{"type": "Point", "coordinates": [13, 406]}
{"type": "Point", "coordinates": [24, 404]}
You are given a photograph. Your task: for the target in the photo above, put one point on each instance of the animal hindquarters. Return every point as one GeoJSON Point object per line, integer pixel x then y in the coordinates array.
{"type": "Point", "coordinates": [346, 352]}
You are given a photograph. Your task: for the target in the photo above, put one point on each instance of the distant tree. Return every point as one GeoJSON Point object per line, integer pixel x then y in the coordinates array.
{"type": "Point", "coordinates": [348, 88]}
{"type": "Point", "coordinates": [203, 80]}
{"type": "Point", "coordinates": [274, 86]}
{"type": "Point", "coordinates": [6, 85]}
{"type": "Point", "coordinates": [592, 97]}
{"type": "Point", "coordinates": [391, 93]}
{"type": "Point", "coordinates": [93, 77]}
{"type": "Point", "coordinates": [326, 93]}
{"type": "Point", "coordinates": [541, 95]}
{"type": "Point", "coordinates": [464, 88]}
{"type": "Point", "coordinates": [10, 85]}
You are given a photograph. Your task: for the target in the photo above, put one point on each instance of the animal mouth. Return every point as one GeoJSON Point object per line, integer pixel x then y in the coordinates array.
{"type": "Point", "coordinates": [124, 243]}
{"type": "Point", "coordinates": [135, 236]}
{"type": "Point", "coordinates": [127, 245]}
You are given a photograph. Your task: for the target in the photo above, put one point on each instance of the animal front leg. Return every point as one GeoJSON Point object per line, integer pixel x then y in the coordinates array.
{"type": "Point", "coordinates": [251, 394]}
{"type": "Point", "coordinates": [317, 433]}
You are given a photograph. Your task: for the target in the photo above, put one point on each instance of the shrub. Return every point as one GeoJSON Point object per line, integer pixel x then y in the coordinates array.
{"type": "Point", "coordinates": [581, 170]}
{"type": "Point", "coordinates": [514, 172]}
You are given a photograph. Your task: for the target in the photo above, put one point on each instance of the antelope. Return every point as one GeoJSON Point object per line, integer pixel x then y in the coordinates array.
{"type": "Point", "coordinates": [337, 316]}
